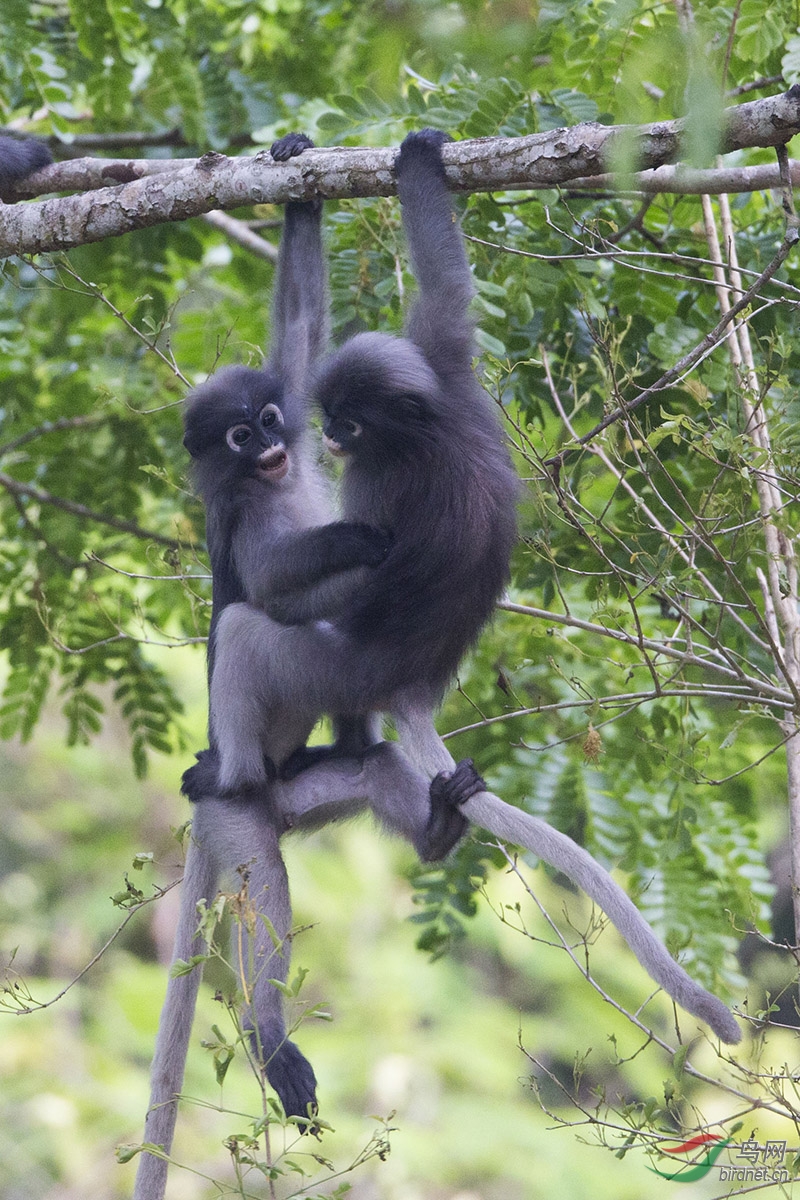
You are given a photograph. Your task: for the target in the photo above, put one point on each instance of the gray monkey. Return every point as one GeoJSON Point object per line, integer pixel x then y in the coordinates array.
{"type": "Point", "coordinates": [273, 543]}
{"type": "Point", "coordinates": [393, 406]}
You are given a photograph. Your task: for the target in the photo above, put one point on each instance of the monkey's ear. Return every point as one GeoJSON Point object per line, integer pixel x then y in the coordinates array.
{"type": "Point", "coordinates": [190, 444]}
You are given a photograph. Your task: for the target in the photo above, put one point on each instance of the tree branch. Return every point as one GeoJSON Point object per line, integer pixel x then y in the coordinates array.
{"type": "Point", "coordinates": [687, 181]}
{"type": "Point", "coordinates": [237, 231]}
{"type": "Point", "coordinates": [182, 190]}
{"type": "Point", "coordinates": [704, 347]}
{"type": "Point", "coordinates": [16, 488]}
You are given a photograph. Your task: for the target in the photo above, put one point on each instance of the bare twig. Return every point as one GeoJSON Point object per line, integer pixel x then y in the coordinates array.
{"type": "Point", "coordinates": [239, 232]}
{"type": "Point", "coordinates": [708, 343]}
{"type": "Point", "coordinates": [16, 488]}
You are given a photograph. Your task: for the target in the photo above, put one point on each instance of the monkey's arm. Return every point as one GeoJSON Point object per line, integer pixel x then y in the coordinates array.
{"type": "Point", "coordinates": [300, 306]}
{"type": "Point", "coordinates": [310, 575]}
{"type": "Point", "coordinates": [438, 322]}
{"type": "Point", "coordinates": [19, 158]}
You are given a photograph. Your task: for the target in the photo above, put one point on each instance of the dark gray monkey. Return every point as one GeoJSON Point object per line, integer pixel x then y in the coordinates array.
{"type": "Point", "coordinates": [20, 157]}
{"type": "Point", "coordinates": [266, 508]}
{"type": "Point", "coordinates": [424, 457]}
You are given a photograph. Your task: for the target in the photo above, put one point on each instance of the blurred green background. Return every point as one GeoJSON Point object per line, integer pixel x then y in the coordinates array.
{"type": "Point", "coordinates": [104, 686]}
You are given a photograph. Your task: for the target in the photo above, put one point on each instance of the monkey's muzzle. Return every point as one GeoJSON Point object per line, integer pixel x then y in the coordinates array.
{"type": "Point", "coordinates": [273, 463]}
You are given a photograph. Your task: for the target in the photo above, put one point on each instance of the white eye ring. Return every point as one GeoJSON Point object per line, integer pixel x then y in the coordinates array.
{"type": "Point", "coordinates": [237, 444]}
{"type": "Point", "coordinates": [353, 428]}
{"type": "Point", "coordinates": [270, 415]}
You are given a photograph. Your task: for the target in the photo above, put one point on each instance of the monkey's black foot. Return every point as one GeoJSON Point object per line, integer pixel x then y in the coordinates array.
{"type": "Point", "coordinates": [290, 146]}
{"type": "Point", "coordinates": [202, 780]}
{"type": "Point", "coordinates": [446, 824]}
{"type": "Point", "coordinates": [309, 756]}
{"type": "Point", "coordinates": [291, 1075]}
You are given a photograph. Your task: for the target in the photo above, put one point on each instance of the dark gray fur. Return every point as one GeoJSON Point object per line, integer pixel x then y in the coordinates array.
{"type": "Point", "coordinates": [273, 547]}
{"type": "Point", "coordinates": [429, 464]}
{"type": "Point", "coordinates": [374, 632]}
{"type": "Point", "coordinates": [20, 157]}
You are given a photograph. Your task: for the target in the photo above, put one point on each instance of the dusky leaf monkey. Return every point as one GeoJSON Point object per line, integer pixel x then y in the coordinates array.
{"type": "Point", "coordinates": [353, 618]}
{"type": "Point", "coordinates": [273, 545]}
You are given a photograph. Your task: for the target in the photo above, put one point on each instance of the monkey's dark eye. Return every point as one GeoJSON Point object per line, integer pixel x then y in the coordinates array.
{"type": "Point", "coordinates": [238, 436]}
{"type": "Point", "coordinates": [352, 427]}
{"type": "Point", "coordinates": [410, 406]}
{"type": "Point", "coordinates": [270, 415]}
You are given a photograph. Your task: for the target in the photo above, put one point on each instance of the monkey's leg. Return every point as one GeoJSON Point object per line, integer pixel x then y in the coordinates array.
{"type": "Point", "coordinates": [247, 839]}
{"type": "Point", "coordinates": [264, 695]}
{"type": "Point", "coordinates": [174, 1029]}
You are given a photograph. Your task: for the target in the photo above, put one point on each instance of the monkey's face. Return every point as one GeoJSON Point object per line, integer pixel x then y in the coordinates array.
{"type": "Point", "coordinates": [375, 423]}
{"type": "Point", "coordinates": [379, 400]}
{"type": "Point", "coordinates": [258, 440]}
{"type": "Point", "coordinates": [238, 426]}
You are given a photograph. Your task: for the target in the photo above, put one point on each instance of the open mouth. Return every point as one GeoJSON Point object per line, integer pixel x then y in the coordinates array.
{"type": "Point", "coordinates": [273, 464]}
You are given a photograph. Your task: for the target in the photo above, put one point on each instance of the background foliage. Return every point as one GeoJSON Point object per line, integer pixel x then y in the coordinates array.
{"type": "Point", "coordinates": [683, 792]}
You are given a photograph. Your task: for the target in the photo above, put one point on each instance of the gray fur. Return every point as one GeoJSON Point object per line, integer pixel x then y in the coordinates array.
{"type": "Point", "coordinates": [371, 631]}
{"type": "Point", "coordinates": [334, 791]}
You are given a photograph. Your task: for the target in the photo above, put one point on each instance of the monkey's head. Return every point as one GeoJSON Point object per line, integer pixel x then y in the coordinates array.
{"type": "Point", "coordinates": [241, 424]}
{"type": "Point", "coordinates": [380, 399]}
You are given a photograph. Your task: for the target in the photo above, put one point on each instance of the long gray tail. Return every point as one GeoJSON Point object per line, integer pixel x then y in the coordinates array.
{"type": "Point", "coordinates": [490, 812]}
{"type": "Point", "coordinates": [172, 1043]}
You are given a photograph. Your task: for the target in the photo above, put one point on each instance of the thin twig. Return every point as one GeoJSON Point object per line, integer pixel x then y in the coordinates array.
{"type": "Point", "coordinates": [15, 487]}
{"type": "Point", "coordinates": [704, 347]}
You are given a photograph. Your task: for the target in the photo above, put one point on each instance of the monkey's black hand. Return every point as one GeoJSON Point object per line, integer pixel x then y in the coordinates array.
{"type": "Point", "coordinates": [201, 780]}
{"type": "Point", "coordinates": [290, 146]}
{"type": "Point", "coordinates": [357, 544]}
{"type": "Point", "coordinates": [377, 544]}
{"type": "Point", "coordinates": [423, 145]}
{"type": "Point", "coordinates": [446, 824]}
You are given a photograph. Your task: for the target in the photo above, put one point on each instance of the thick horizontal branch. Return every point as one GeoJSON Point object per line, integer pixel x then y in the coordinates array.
{"type": "Point", "coordinates": [179, 191]}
